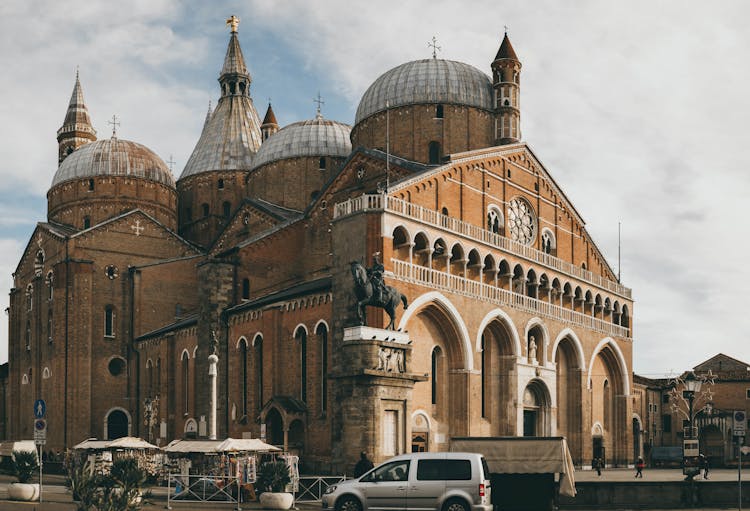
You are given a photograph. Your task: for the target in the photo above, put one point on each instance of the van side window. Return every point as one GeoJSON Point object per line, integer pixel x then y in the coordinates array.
{"type": "Point", "coordinates": [396, 471]}
{"type": "Point", "coordinates": [444, 470]}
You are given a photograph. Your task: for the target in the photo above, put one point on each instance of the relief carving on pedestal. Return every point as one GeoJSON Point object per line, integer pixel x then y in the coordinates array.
{"type": "Point", "coordinates": [391, 360]}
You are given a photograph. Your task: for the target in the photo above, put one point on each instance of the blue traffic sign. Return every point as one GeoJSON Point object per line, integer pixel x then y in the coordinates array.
{"type": "Point", "coordinates": [40, 408]}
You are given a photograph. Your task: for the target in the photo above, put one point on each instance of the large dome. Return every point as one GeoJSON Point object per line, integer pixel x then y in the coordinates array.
{"type": "Point", "coordinates": [316, 137]}
{"type": "Point", "coordinates": [113, 157]}
{"type": "Point", "coordinates": [427, 81]}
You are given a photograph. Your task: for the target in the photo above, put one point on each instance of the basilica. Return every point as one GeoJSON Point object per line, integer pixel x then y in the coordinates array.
{"type": "Point", "coordinates": [252, 296]}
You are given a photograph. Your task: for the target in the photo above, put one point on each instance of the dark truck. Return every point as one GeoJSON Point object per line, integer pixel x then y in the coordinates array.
{"type": "Point", "coordinates": [527, 473]}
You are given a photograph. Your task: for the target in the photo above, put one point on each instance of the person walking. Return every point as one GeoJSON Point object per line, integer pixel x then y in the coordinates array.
{"type": "Point", "coordinates": [704, 465]}
{"type": "Point", "coordinates": [598, 466]}
{"type": "Point", "coordinates": [639, 468]}
{"type": "Point", "coordinates": [363, 465]}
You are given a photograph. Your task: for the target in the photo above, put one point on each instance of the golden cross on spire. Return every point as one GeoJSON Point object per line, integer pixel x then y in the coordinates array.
{"type": "Point", "coordinates": [319, 101]}
{"type": "Point", "coordinates": [434, 47]}
{"type": "Point", "coordinates": [114, 124]}
{"type": "Point", "coordinates": [233, 21]}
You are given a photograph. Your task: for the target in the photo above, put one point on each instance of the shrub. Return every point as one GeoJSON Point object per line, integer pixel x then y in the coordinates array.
{"type": "Point", "coordinates": [273, 476]}
{"type": "Point", "coordinates": [24, 465]}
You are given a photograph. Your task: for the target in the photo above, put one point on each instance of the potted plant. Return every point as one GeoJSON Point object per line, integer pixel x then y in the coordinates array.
{"type": "Point", "coordinates": [25, 465]}
{"type": "Point", "coordinates": [273, 477]}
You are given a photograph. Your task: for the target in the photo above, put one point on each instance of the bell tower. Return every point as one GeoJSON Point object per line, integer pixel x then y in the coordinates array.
{"type": "Point", "coordinates": [76, 129]}
{"type": "Point", "coordinates": [506, 79]}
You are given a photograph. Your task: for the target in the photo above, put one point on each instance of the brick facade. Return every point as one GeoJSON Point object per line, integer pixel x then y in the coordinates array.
{"type": "Point", "coordinates": [515, 323]}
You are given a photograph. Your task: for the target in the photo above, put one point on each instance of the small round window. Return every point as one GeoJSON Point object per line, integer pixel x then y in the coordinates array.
{"type": "Point", "coordinates": [111, 271]}
{"type": "Point", "coordinates": [116, 366]}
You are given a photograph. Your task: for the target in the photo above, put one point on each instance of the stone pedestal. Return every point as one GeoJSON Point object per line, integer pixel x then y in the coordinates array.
{"type": "Point", "coordinates": [374, 394]}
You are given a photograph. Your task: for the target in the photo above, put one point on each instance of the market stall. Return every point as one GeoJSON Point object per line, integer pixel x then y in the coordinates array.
{"type": "Point", "coordinates": [100, 454]}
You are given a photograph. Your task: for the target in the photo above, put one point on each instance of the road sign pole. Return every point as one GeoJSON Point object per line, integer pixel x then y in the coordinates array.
{"type": "Point", "coordinates": [40, 473]}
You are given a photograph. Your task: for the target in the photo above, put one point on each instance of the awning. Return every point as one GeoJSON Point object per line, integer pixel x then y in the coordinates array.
{"type": "Point", "coordinates": [204, 446]}
{"type": "Point", "coordinates": [245, 445]}
{"type": "Point", "coordinates": [7, 447]}
{"type": "Point", "coordinates": [127, 442]}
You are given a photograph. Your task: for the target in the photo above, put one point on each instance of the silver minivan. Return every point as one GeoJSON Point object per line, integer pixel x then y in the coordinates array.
{"type": "Point", "coordinates": [444, 481]}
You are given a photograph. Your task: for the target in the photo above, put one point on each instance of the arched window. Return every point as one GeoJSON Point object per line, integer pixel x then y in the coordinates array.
{"type": "Point", "coordinates": [29, 297]}
{"type": "Point", "coordinates": [245, 289]}
{"type": "Point", "coordinates": [494, 220]}
{"type": "Point", "coordinates": [150, 378]}
{"type": "Point", "coordinates": [221, 184]}
{"type": "Point", "coordinates": [244, 375]}
{"type": "Point", "coordinates": [109, 321]}
{"type": "Point", "coordinates": [301, 336]}
{"type": "Point", "coordinates": [322, 333]}
{"type": "Point", "coordinates": [434, 152]}
{"type": "Point", "coordinates": [50, 285]}
{"type": "Point", "coordinates": [50, 326]}
{"type": "Point", "coordinates": [28, 335]}
{"type": "Point", "coordinates": [86, 222]}
{"type": "Point", "coordinates": [322, 163]}
{"type": "Point", "coordinates": [227, 208]}
{"type": "Point", "coordinates": [91, 185]}
{"type": "Point", "coordinates": [484, 377]}
{"type": "Point", "coordinates": [204, 207]}
{"type": "Point", "coordinates": [158, 376]}
{"type": "Point", "coordinates": [258, 358]}
{"type": "Point", "coordinates": [607, 405]}
{"type": "Point", "coordinates": [185, 382]}
{"type": "Point", "coordinates": [435, 367]}
{"type": "Point", "coordinates": [439, 112]}
{"type": "Point", "coordinates": [548, 242]}
{"type": "Point", "coordinates": [39, 263]}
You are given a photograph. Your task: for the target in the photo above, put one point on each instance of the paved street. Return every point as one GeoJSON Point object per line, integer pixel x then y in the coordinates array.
{"type": "Point", "coordinates": [56, 497]}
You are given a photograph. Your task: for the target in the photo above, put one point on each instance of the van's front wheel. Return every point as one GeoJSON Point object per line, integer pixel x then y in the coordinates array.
{"type": "Point", "coordinates": [350, 503]}
{"type": "Point", "coordinates": [455, 505]}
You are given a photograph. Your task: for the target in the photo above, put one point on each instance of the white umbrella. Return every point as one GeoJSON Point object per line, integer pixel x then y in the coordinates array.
{"type": "Point", "coordinates": [245, 445]}
{"type": "Point", "coordinates": [131, 442]}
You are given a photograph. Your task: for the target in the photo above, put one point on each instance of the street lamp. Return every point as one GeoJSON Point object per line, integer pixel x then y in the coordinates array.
{"type": "Point", "coordinates": [691, 394]}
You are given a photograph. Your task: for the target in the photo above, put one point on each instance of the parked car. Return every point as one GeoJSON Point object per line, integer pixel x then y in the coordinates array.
{"type": "Point", "coordinates": [446, 481]}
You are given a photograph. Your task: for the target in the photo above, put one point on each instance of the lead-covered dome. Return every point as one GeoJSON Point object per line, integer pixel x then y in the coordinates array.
{"type": "Point", "coordinates": [316, 137]}
{"type": "Point", "coordinates": [427, 81]}
{"type": "Point", "coordinates": [113, 157]}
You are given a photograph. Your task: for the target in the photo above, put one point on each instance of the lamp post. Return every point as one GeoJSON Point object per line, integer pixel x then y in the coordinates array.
{"type": "Point", "coordinates": [692, 395]}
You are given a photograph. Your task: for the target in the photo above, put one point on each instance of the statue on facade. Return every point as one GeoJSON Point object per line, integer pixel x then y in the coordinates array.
{"type": "Point", "coordinates": [214, 342]}
{"type": "Point", "coordinates": [532, 349]}
{"type": "Point", "coordinates": [370, 289]}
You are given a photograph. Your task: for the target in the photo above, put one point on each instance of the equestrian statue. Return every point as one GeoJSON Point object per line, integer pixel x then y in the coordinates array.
{"type": "Point", "coordinates": [370, 289]}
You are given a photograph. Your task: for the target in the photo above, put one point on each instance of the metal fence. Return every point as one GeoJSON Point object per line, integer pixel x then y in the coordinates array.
{"type": "Point", "coordinates": [312, 488]}
{"type": "Point", "coordinates": [204, 488]}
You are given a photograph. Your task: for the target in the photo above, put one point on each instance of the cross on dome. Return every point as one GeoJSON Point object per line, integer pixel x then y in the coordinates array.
{"type": "Point", "coordinates": [115, 123]}
{"type": "Point", "coordinates": [434, 47]}
{"type": "Point", "coordinates": [318, 100]}
{"type": "Point", "coordinates": [233, 21]}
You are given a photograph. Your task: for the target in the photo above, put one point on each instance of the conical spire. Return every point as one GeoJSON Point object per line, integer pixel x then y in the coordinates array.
{"type": "Point", "coordinates": [208, 115]}
{"type": "Point", "coordinates": [76, 129]}
{"type": "Point", "coordinates": [269, 126]}
{"type": "Point", "coordinates": [234, 62]}
{"type": "Point", "coordinates": [506, 50]}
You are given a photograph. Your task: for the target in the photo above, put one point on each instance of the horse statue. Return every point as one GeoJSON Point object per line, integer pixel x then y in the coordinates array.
{"type": "Point", "coordinates": [366, 292]}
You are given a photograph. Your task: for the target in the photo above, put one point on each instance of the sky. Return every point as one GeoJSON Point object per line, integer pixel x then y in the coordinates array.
{"type": "Point", "coordinates": [638, 110]}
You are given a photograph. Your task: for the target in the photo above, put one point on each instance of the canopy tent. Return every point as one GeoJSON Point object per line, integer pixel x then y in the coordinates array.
{"type": "Point", "coordinates": [7, 448]}
{"type": "Point", "coordinates": [127, 442]}
{"type": "Point", "coordinates": [219, 446]}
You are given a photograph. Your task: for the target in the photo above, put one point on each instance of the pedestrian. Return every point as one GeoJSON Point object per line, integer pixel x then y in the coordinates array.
{"type": "Point", "coordinates": [598, 466]}
{"type": "Point", "coordinates": [704, 465]}
{"type": "Point", "coordinates": [363, 465]}
{"type": "Point", "coordinates": [639, 468]}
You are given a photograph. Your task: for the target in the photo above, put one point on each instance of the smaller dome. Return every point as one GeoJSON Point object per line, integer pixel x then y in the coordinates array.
{"type": "Point", "coordinates": [316, 137]}
{"type": "Point", "coordinates": [427, 81]}
{"type": "Point", "coordinates": [113, 157]}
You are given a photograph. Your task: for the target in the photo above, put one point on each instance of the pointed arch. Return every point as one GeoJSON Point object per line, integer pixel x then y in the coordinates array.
{"type": "Point", "coordinates": [438, 299]}
{"type": "Point", "coordinates": [536, 324]}
{"type": "Point", "coordinates": [505, 319]}
{"type": "Point", "coordinates": [569, 334]}
{"type": "Point", "coordinates": [619, 357]}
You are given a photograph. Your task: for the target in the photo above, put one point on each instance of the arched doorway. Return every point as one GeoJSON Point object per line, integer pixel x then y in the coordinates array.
{"type": "Point", "coordinates": [568, 358]}
{"type": "Point", "coordinates": [274, 427]}
{"type": "Point", "coordinates": [637, 444]}
{"type": "Point", "coordinates": [536, 410]}
{"type": "Point", "coordinates": [712, 445]}
{"type": "Point", "coordinates": [496, 363]}
{"type": "Point", "coordinates": [117, 424]}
